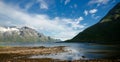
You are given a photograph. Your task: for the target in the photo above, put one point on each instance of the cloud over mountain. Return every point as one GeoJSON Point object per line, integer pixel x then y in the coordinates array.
{"type": "Point", "coordinates": [41, 22]}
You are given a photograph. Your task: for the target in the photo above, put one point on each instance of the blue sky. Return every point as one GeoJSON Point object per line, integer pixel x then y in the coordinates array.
{"type": "Point", "coordinates": [60, 19]}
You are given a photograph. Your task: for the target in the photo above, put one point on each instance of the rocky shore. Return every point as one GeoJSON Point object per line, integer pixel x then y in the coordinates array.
{"type": "Point", "coordinates": [31, 50]}
{"type": "Point", "coordinates": [11, 54]}
{"type": "Point", "coordinates": [22, 54]}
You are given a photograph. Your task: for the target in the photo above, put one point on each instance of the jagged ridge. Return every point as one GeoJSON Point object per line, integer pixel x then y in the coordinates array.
{"type": "Point", "coordinates": [23, 34]}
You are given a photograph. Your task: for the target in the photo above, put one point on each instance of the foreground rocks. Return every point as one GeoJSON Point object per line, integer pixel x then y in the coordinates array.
{"type": "Point", "coordinates": [56, 60]}
{"type": "Point", "coordinates": [22, 54]}
{"type": "Point", "coordinates": [31, 50]}
{"type": "Point", "coordinates": [8, 54]}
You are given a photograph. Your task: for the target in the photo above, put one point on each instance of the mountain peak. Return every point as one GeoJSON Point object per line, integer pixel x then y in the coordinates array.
{"type": "Point", "coordinates": [23, 34]}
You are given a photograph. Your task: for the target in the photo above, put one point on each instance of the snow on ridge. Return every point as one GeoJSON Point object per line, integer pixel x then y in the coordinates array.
{"type": "Point", "coordinates": [6, 29]}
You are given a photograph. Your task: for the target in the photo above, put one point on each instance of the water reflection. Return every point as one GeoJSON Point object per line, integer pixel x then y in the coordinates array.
{"type": "Point", "coordinates": [70, 54]}
{"type": "Point", "coordinates": [75, 51]}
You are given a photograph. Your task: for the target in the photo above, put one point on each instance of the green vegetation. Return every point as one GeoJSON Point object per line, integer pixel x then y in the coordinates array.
{"type": "Point", "coordinates": [107, 30]}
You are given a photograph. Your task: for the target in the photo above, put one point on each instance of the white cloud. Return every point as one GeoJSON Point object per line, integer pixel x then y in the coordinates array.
{"type": "Point", "coordinates": [67, 1]}
{"type": "Point", "coordinates": [76, 24]}
{"type": "Point", "coordinates": [98, 2]}
{"type": "Point", "coordinates": [80, 19]}
{"type": "Point", "coordinates": [63, 28]}
{"type": "Point", "coordinates": [43, 4]}
{"type": "Point", "coordinates": [86, 12]}
{"type": "Point", "coordinates": [93, 11]}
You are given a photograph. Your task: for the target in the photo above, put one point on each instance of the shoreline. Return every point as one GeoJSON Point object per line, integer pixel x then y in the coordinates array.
{"type": "Point", "coordinates": [31, 50]}
{"type": "Point", "coordinates": [22, 54]}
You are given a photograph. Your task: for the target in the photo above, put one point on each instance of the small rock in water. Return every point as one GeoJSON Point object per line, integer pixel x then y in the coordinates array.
{"type": "Point", "coordinates": [83, 56]}
{"type": "Point", "coordinates": [69, 61]}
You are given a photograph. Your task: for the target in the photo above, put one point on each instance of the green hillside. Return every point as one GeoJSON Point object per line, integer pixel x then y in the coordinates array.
{"type": "Point", "coordinates": [106, 30]}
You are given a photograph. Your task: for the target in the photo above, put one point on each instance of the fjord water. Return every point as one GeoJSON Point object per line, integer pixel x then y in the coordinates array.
{"type": "Point", "coordinates": [75, 51]}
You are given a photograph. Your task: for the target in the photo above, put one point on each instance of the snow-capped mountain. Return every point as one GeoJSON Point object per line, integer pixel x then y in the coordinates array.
{"type": "Point", "coordinates": [22, 34]}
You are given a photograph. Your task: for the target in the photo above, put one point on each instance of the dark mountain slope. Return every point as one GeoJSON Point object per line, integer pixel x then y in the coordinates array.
{"type": "Point", "coordinates": [107, 30]}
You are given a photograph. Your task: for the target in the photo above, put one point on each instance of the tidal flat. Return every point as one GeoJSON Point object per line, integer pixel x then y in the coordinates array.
{"type": "Point", "coordinates": [59, 52]}
{"type": "Point", "coordinates": [23, 54]}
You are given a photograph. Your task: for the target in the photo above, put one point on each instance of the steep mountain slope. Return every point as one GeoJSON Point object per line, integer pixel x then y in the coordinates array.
{"type": "Point", "coordinates": [23, 34]}
{"type": "Point", "coordinates": [107, 30]}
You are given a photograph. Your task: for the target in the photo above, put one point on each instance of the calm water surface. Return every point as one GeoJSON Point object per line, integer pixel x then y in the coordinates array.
{"type": "Point", "coordinates": [75, 50]}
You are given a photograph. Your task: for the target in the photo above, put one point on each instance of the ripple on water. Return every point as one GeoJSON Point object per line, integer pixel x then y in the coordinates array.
{"type": "Point", "coordinates": [70, 54]}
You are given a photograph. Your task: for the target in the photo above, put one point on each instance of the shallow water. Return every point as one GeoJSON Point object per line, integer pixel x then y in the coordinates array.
{"type": "Point", "coordinates": [75, 51]}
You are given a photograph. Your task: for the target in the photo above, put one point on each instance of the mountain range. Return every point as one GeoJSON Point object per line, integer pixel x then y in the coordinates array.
{"type": "Point", "coordinates": [106, 30]}
{"type": "Point", "coordinates": [22, 34]}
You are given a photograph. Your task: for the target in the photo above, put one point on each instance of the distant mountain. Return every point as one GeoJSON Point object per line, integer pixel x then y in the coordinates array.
{"type": "Point", "coordinates": [106, 30]}
{"type": "Point", "coordinates": [23, 34]}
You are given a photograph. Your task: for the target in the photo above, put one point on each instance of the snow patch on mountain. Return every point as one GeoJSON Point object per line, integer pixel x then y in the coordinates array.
{"type": "Point", "coordinates": [6, 29]}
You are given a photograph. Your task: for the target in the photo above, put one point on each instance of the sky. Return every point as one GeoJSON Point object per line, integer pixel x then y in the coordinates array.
{"type": "Point", "coordinates": [60, 19]}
